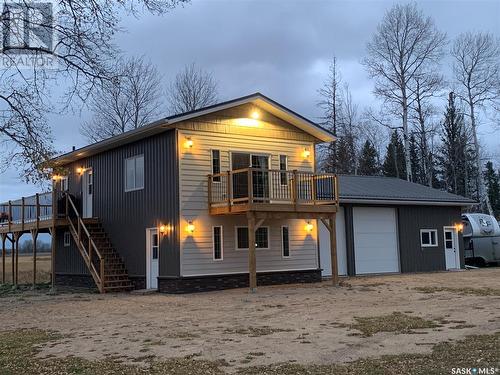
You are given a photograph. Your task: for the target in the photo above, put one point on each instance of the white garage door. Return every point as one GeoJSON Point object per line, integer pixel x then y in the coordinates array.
{"type": "Point", "coordinates": [375, 240]}
{"type": "Point", "coordinates": [324, 246]}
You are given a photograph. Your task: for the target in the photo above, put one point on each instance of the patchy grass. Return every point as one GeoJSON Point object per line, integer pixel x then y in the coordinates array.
{"type": "Point", "coordinates": [462, 291]}
{"type": "Point", "coordinates": [474, 351]}
{"type": "Point", "coordinates": [9, 290]}
{"type": "Point", "coordinates": [19, 349]}
{"type": "Point", "coordinates": [396, 322]}
{"type": "Point", "coordinates": [256, 331]}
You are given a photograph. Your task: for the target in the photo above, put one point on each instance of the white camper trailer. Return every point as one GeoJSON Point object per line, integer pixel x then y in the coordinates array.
{"type": "Point", "coordinates": [481, 234]}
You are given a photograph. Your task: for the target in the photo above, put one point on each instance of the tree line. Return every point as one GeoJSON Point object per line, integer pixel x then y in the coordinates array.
{"type": "Point", "coordinates": [410, 136]}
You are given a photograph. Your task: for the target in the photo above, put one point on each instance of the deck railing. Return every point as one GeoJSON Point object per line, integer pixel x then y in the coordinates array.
{"type": "Point", "coordinates": [256, 185]}
{"type": "Point", "coordinates": [30, 209]}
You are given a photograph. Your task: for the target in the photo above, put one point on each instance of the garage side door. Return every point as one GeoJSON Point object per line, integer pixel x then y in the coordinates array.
{"type": "Point", "coordinates": [324, 246]}
{"type": "Point", "coordinates": [375, 240]}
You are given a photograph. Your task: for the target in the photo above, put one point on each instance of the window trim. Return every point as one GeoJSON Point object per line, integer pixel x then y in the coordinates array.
{"type": "Point", "coordinates": [67, 243]}
{"type": "Point", "coordinates": [221, 243]}
{"type": "Point", "coordinates": [125, 173]}
{"type": "Point", "coordinates": [430, 237]}
{"type": "Point", "coordinates": [286, 168]}
{"type": "Point", "coordinates": [256, 248]}
{"type": "Point", "coordinates": [219, 180]}
{"type": "Point", "coordinates": [283, 243]}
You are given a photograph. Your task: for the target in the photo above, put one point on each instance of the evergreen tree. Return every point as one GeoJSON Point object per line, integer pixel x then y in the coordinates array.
{"type": "Point", "coordinates": [394, 162]}
{"type": "Point", "coordinates": [456, 156]}
{"type": "Point", "coordinates": [368, 161]}
{"type": "Point", "coordinates": [492, 182]}
{"type": "Point", "coordinates": [346, 160]}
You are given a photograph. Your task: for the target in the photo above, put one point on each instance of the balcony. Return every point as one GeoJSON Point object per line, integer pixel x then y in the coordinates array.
{"type": "Point", "coordinates": [268, 190]}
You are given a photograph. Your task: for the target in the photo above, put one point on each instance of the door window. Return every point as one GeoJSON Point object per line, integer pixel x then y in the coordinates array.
{"type": "Point", "coordinates": [154, 247]}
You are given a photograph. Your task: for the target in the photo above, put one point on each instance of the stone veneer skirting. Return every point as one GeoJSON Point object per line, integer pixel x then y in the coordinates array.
{"type": "Point", "coordinates": [75, 281]}
{"type": "Point", "coordinates": [220, 282]}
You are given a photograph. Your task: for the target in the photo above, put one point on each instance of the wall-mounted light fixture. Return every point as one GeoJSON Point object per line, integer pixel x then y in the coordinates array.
{"type": "Point", "coordinates": [190, 227]}
{"type": "Point", "coordinates": [306, 153]}
{"type": "Point", "coordinates": [163, 229]}
{"type": "Point", "coordinates": [255, 115]}
{"type": "Point", "coordinates": [309, 227]}
{"type": "Point", "coordinates": [459, 227]}
{"type": "Point", "coordinates": [80, 170]}
{"type": "Point", "coordinates": [56, 177]}
{"type": "Point", "coordinates": [188, 143]}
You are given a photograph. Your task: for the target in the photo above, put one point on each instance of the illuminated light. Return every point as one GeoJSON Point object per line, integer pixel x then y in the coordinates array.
{"type": "Point", "coordinates": [309, 227]}
{"type": "Point", "coordinates": [190, 227]}
{"type": "Point", "coordinates": [255, 115]}
{"type": "Point", "coordinates": [56, 177]}
{"type": "Point", "coordinates": [80, 170]}
{"type": "Point", "coordinates": [188, 143]}
{"type": "Point", "coordinates": [306, 153]}
{"type": "Point", "coordinates": [459, 227]}
{"type": "Point", "coordinates": [163, 229]}
{"type": "Point", "coordinates": [249, 122]}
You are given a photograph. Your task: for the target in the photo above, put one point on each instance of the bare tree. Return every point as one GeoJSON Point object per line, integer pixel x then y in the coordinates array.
{"type": "Point", "coordinates": [477, 71]}
{"type": "Point", "coordinates": [77, 38]}
{"type": "Point", "coordinates": [405, 42]}
{"type": "Point", "coordinates": [128, 101]}
{"type": "Point", "coordinates": [192, 88]}
{"type": "Point", "coordinates": [330, 103]}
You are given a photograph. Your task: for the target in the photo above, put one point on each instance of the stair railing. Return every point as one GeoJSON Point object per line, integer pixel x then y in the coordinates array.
{"type": "Point", "coordinates": [85, 243]}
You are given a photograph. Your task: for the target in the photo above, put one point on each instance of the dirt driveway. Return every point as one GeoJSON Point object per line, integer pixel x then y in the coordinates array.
{"type": "Point", "coordinates": [303, 324]}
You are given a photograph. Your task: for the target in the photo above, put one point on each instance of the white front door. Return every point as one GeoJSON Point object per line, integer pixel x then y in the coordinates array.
{"type": "Point", "coordinates": [451, 251]}
{"type": "Point", "coordinates": [152, 256]}
{"type": "Point", "coordinates": [87, 191]}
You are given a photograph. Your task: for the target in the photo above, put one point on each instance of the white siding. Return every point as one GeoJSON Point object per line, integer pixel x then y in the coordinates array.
{"type": "Point", "coordinates": [195, 165]}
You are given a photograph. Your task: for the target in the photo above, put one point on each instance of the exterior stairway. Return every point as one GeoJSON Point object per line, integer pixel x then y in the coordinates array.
{"type": "Point", "coordinates": [103, 261]}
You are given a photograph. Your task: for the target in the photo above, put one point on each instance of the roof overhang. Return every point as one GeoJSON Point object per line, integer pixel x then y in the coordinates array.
{"type": "Point", "coordinates": [257, 99]}
{"type": "Point", "coordinates": [402, 202]}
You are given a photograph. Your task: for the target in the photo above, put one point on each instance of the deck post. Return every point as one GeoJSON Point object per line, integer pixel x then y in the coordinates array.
{"type": "Point", "coordinates": [333, 250]}
{"type": "Point", "coordinates": [4, 239]}
{"type": "Point", "coordinates": [13, 255]}
{"type": "Point", "coordinates": [22, 213]}
{"type": "Point", "coordinates": [252, 264]}
{"type": "Point", "coordinates": [53, 236]}
{"type": "Point", "coordinates": [17, 236]}
{"type": "Point", "coordinates": [34, 236]}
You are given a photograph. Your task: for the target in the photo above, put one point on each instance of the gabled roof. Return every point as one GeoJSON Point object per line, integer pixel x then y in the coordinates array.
{"type": "Point", "coordinates": [166, 123]}
{"type": "Point", "coordinates": [390, 190]}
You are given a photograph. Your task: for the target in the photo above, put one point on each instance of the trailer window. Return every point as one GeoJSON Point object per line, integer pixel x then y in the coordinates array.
{"type": "Point", "coordinates": [428, 237]}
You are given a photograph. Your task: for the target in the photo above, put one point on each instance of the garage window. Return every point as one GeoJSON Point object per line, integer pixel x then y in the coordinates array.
{"type": "Point", "coordinates": [428, 237]}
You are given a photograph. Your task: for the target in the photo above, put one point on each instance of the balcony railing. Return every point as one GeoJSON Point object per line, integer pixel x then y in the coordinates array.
{"type": "Point", "coordinates": [26, 210]}
{"type": "Point", "coordinates": [242, 189]}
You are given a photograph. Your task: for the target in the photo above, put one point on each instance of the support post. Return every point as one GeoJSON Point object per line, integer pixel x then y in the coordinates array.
{"type": "Point", "coordinates": [53, 235]}
{"type": "Point", "coordinates": [22, 213]}
{"type": "Point", "coordinates": [13, 254]}
{"type": "Point", "coordinates": [4, 239]}
{"type": "Point", "coordinates": [229, 190]}
{"type": "Point", "coordinates": [34, 236]}
{"type": "Point", "coordinates": [333, 250]}
{"type": "Point", "coordinates": [252, 263]}
{"type": "Point", "coordinates": [17, 236]}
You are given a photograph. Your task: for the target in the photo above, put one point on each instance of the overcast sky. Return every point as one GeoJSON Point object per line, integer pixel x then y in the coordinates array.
{"type": "Point", "coordinates": [280, 48]}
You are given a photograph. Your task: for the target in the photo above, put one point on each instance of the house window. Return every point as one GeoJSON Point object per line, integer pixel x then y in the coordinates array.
{"type": "Point", "coordinates": [428, 237]}
{"type": "Point", "coordinates": [64, 183]}
{"type": "Point", "coordinates": [216, 164]}
{"type": "Point", "coordinates": [283, 167]}
{"type": "Point", "coordinates": [261, 238]}
{"type": "Point", "coordinates": [285, 242]}
{"type": "Point", "coordinates": [134, 173]}
{"type": "Point", "coordinates": [155, 247]}
{"type": "Point", "coordinates": [217, 242]}
{"type": "Point", "coordinates": [67, 239]}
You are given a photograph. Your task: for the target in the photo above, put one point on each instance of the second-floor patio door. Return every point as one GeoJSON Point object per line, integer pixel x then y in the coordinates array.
{"type": "Point", "coordinates": [260, 179]}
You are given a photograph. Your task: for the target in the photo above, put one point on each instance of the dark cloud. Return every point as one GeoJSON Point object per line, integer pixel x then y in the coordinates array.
{"type": "Point", "coordinates": [279, 47]}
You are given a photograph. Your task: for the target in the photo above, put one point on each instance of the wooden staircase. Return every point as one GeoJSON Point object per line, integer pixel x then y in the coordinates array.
{"type": "Point", "coordinates": [103, 261]}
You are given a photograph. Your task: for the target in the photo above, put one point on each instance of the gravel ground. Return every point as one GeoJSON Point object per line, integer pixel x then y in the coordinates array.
{"type": "Point", "coordinates": [301, 324]}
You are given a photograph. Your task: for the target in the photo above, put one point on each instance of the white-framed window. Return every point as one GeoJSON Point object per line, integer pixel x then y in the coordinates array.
{"type": "Point", "coordinates": [283, 167]}
{"type": "Point", "coordinates": [428, 237]}
{"type": "Point", "coordinates": [217, 242]}
{"type": "Point", "coordinates": [216, 164]}
{"type": "Point", "coordinates": [285, 241]}
{"type": "Point", "coordinates": [67, 239]}
{"type": "Point", "coordinates": [261, 238]}
{"type": "Point", "coordinates": [64, 183]}
{"type": "Point", "coordinates": [134, 173]}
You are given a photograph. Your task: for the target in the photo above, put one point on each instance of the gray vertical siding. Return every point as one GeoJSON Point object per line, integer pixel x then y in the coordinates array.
{"type": "Point", "coordinates": [414, 258]}
{"type": "Point", "coordinates": [126, 215]}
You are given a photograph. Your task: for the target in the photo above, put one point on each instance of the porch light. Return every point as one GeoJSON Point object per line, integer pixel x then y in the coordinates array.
{"type": "Point", "coordinates": [309, 227]}
{"type": "Point", "coordinates": [56, 177]}
{"type": "Point", "coordinates": [190, 227]}
{"type": "Point", "coordinates": [306, 153]}
{"type": "Point", "coordinates": [188, 143]}
{"type": "Point", "coordinates": [163, 229]}
{"type": "Point", "coordinates": [255, 115]}
{"type": "Point", "coordinates": [459, 227]}
{"type": "Point", "coordinates": [80, 170]}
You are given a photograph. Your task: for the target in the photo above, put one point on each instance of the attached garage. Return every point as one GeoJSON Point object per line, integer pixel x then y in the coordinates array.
{"type": "Point", "coordinates": [375, 240]}
{"type": "Point", "coordinates": [380, 224]}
